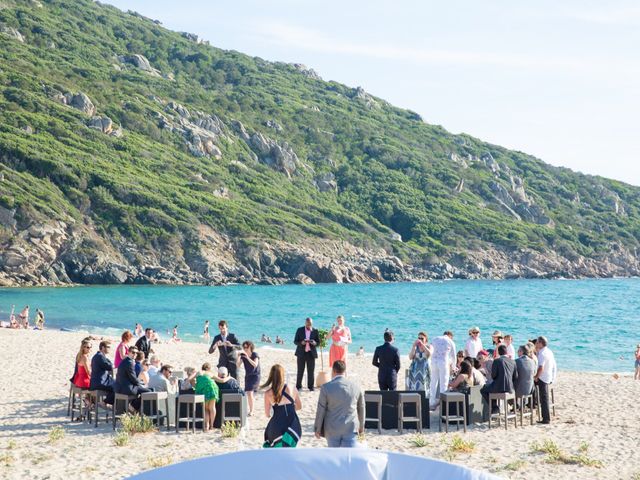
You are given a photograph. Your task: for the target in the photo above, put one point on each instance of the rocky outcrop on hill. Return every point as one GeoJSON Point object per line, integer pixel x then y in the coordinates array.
{"type": "Point", "coordinates": [12, 32]}
{"type": "Point", "coordinates": [201, 131]}
{"type": "Point", "coordinates": [79, 101]}
{"type": "Point", "coordinates": [61, 252]}
{"type": "Point", "coordinates": [279, 156]}
{"type": "Point", "coordinates": [141, 62]}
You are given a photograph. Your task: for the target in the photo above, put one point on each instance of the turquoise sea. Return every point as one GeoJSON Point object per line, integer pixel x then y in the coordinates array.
{"type": "Point", "coordinates": [592, 325]}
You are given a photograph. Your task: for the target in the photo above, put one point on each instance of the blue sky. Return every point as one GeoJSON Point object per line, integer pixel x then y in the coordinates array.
{"type": "Point", "coordinates": [558, 80]}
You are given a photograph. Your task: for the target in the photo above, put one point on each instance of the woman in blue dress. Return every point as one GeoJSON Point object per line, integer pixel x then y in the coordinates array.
{"type": "Point", "coordinates": [419, 376]}
{"type": "Point", "coordinates": [283, 429]}
{"type": "Point", "coordinates": [251, 361]}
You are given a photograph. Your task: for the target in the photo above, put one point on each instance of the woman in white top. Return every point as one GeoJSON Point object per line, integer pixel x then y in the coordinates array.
{"type": "Point", "coordinates": [474, 344]}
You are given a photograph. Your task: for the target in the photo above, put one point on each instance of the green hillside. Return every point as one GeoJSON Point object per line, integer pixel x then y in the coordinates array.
{"type": "Point", "coordinates": [113, 124]}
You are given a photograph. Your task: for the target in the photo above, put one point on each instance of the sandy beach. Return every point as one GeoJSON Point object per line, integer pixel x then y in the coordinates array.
{"type": "Point", "coordinates": [597, 419]}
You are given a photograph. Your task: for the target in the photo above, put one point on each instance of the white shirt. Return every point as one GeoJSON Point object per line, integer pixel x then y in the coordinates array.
{"type": "Point", "coordinates": [473, 346]}
{"type": "Point", "coordinates": [511, 352]}
{"type": "Point", "coordinates": [444, 350]}
{"type": "Point", "coordinates": [160, 384]}
{"type": "Point", "coordinates": [547, 361]}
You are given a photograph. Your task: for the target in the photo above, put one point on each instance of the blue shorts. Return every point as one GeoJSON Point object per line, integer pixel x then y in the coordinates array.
{"type": "Point", "coordinates": [638, 363]}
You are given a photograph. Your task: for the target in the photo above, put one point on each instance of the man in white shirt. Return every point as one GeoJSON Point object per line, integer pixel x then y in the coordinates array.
{"type": "Point", "coordinates": [443, 359]}
{"type": "Point", "coordinates": [545, 376]}
{"type": "Point", "coordinates": [163, 382]}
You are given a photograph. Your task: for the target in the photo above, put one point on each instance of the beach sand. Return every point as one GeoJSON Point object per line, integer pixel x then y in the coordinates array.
{"type": "Point", "coordinates": [594, 410]}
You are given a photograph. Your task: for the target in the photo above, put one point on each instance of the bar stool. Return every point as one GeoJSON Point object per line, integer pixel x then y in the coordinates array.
{"type": "Point", "coordinates": [75, 391]}
{"type": "Point", "coordinates": [122, 398]}
{"type": "Point", "coordinates": [446, 400]}
{"type": "Point", "coordinates": [525, 406]}
{"type": "Point", "coordinates": [153, 399]}
{"type": "Point", "coordinates": [231, 398]}
{"type": "Point", "coordinates": [191, 401]}
{"type": "Point", "coordinates": [503, 397]}
{"type": "Point", "coordinates": [552, 401]}
{"type": "Point", "coordinates": [409, 398]}
{"type": "Point", "coordinates": [377, 399]}
{"type": "Point", "coordinates": [97, 397]}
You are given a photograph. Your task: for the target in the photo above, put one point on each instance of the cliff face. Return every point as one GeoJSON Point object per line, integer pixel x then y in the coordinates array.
{"type": "Point", "coordinates": [132, 154]}
{"type": "Point", "coordinates": [63, 254]}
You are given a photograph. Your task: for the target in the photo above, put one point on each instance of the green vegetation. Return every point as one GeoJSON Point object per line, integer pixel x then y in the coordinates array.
{"type": "Point", "coordinates": [132, 424]}
{"type": "Point", "coordinates": [394, 173]}
{"type": "Point", "coordinates": [556, 455]}
{"type": "Point", "coordinates": [55, 434]}
{"type": "Point", "coordinates": [460, 445]}
{"type": "Point", "coordinates": [419, 441]}
{"type": "Point", "coordinates": [121, 438]}
{"type": "Point", "coordinates": [157, 462]}
{"type": "Point", "coordinates": [230, 429]}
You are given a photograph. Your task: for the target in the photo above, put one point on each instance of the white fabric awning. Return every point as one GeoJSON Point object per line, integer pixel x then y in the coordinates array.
{"type": "Point", "coordinates": [316, 464]}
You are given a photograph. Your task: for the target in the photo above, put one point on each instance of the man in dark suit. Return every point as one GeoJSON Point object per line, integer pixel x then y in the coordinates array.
{"type": "Point", "coordinates": [306, 341]}
{"type": "Point", "coordinates": [126, 380]}
{"type": "Point", "coordinates": [228, 345]}
{"type": "Point", "coordinates": [144, 342]}
{"type": "Point", "coordinates": [387, 360]}
{"type": "Point", "coordinates": [504, 373]}
{"type": "Point", "coordinates": [102, 372]}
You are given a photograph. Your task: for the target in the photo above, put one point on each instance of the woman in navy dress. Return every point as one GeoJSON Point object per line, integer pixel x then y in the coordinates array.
{"type": "Point", "coordinates": [251, 361]}
{"type": "Point", "coordinates": [283, 430]}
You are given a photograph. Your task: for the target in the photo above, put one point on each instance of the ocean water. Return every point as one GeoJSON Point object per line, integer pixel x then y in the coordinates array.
{"type": "Point", "coordinates": [592, 325]}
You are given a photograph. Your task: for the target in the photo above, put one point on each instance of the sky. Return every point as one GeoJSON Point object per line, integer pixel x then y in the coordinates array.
{"type": "Point", "coordinates": [557, 80]}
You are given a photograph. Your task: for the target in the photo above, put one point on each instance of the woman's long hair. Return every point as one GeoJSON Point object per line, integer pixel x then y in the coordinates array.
{"type": "Point", "coordinates": [276, 382]}
{"type": "Point", "coordinates": [81, 352]}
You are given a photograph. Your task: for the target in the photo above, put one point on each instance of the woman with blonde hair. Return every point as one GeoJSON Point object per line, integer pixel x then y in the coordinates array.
{"type": "Point", "coordinates": [82, 376]}
{"type": "Point", "coordinates": [123, 348]}
{"type": "Point", "coordinates": [283, 429]}
{"type": "Point", "coordinates": [341, 337]}
{"type": "Point", "coordinates": [207, 387]}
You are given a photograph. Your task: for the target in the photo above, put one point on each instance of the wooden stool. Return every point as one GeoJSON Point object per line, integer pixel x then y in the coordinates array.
{"type": "Point", "coordinates": [499, 398]}
{"type": "Point", "coordinates": [98, 396]}
{"type": "Point", "coordinates": [457, 399]}
{"type": "Point", "coordinates": [377, 399]}
{"type": "Point", "coordinates": [191, 400]}
{"type": "Point", "coordinates": [153, 398]}
{"type": "Point", "coordinates": [75, 391]}
{"type": "Point", "coordinates": [525, 406]}
{"type": "Point", "coordinates": [229, 398]}
{"type": "Point", "coordinates": [552, 401]}
{"type": "Point", "coordinates": [122, 398]}
{"type": "Point", "coordinates": [409, 398]}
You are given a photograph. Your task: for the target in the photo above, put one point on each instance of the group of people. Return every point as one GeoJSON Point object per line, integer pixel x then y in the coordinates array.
{"type": "Point", "coordinates": [22, 320]}
{"type": "Point", "coordinates": [267, 339]}
{"type": "Point", "coordinates": [437, 367]}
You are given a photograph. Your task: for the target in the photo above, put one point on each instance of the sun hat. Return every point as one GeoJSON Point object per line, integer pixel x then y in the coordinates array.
{"type": "Point", "coordinates": [497, 333]}
{"type": "Point", "coordinates": [474, 329]}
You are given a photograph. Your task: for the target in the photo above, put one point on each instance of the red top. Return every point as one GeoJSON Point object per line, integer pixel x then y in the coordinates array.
{"type": "Point", "coordinates": [81, 379]}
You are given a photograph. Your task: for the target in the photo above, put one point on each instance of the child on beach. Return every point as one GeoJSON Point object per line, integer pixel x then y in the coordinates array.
{"type": "Point", "coordinates": [637, 374]}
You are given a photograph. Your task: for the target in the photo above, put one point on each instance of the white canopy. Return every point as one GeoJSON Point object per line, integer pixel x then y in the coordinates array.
{"type": "Point", "coordinates": [316, 464]}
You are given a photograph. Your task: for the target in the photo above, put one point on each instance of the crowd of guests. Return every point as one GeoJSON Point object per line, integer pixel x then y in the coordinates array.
{"type": "Point", "coordinates": [438, 367]}
{"type": "Point", "coordinates": [435, 367]}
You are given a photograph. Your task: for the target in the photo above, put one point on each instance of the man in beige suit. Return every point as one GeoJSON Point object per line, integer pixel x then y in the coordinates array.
{"type": "Point", "coordinates": [340, 414]}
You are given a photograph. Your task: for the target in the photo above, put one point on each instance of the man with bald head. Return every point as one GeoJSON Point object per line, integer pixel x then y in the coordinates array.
{"type": "Point", "coordinates": [306, 341]}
